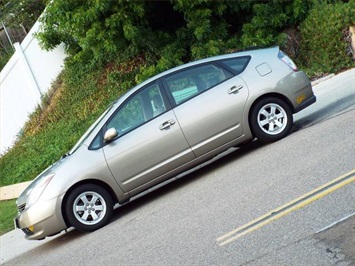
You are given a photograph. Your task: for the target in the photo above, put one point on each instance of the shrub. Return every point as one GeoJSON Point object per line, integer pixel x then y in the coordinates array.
{"type": "Point", "coordinates": [323, 45]}
{"type": "Point", "coordinates": [270, 19]}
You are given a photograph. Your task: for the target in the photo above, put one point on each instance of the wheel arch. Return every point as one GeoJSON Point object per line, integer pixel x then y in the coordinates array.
{"type": "Point", "coordinates": [87, 181]}
{"type": "Point", "coordinates": [276, 95]}
{"type": "Point", "coordinates": [273, 94]}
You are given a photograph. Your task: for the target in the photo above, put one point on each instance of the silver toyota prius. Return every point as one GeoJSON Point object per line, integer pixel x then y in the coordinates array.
{"type": "Point", "coordinates": [161, 128]}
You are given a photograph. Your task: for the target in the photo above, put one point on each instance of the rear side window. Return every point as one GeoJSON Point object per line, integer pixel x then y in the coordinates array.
{"type": "Point", "coordinates": [237, 64]}
{"type": "Point", "coordinates": [186, 84]}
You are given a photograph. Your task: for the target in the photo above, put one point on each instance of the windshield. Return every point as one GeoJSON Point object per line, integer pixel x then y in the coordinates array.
{"type": "Point", "coordinates": [91, 128]}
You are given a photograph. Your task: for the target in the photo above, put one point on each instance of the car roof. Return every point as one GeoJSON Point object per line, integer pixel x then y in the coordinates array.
{"type": "Point", "coordinates": [246, 52]}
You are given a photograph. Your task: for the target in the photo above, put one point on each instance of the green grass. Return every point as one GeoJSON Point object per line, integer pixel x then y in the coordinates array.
{"type": "Point", "coordinates": [75, 101]}
{"type": "Point", "coordinates": [8, 211]}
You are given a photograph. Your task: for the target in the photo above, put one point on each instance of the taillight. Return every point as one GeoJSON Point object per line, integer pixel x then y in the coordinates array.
{"type": "Point", "coordinates": [288, 61]}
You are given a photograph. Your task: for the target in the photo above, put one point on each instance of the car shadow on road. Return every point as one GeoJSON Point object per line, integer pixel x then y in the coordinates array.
{"type": "Point", "coordinates": [178, 183]}
{"type": "Point", "coordinates": [168, 187]}
{"type": "Point", "coordinates": [324, 113]}
{"type": "Point", "coordinates": [186, 179]}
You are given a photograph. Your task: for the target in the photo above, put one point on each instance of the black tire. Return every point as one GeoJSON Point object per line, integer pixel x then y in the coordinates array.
{"type": "Point", "coordinates": [89, 207]}
{"type": "Point", "coordinates": [271, 119]}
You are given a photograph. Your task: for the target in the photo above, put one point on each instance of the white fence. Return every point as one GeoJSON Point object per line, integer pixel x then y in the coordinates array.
{"type": "Point", "coordinates": [25, 78]}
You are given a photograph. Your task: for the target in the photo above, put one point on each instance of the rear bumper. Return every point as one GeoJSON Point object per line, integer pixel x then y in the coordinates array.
{"type": "Point", "coordinates": [298, 89]}
{"type": "Point", "coordinates": [305, 104]}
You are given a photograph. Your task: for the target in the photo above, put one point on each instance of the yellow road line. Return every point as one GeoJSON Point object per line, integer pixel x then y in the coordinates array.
{"type": "Point", "coordinates": [287, 208]}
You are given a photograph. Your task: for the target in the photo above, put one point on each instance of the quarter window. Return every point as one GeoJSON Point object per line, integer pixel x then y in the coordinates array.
{"type": "Point", "coordinates": [238, 64]}
{"type": "Point", "coordinates": [188, 83]}
{"type": "Point", "coordinates": [142, 107]}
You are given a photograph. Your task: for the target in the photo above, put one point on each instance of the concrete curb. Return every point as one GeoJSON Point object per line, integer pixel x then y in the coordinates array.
{"type": "Point", "coordinates": [13, 191]}
{"type": "Point", "coordinates": [316, 82]}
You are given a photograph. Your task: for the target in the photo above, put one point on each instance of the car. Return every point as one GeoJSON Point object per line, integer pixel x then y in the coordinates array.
{"type": "Point", "coordinates": [163, 127]}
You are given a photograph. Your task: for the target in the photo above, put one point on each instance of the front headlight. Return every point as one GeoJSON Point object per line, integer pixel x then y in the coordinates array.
{"type": "Point", "coordinates": [36, 191]}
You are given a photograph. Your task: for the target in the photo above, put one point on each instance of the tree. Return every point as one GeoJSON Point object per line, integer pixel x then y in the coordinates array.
{"type": "Point", "coordinates": [270, 19]}
{"type": "Point", "coordinates": [106, 29]}
{"type": "Point", "coordinates": [326, 46]}
{"type": "Point", "coordinates": [168, 33]}
{"type": "Point", "coordinates": [95, 30]}
{"type": "Point", "coordinates": [21, 13]}
{"type": "Point", "coordinates": [16, 19]}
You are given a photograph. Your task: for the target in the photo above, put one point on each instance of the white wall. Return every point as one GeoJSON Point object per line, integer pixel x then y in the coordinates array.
{"type": "Point", "coordinates": [28, 75]}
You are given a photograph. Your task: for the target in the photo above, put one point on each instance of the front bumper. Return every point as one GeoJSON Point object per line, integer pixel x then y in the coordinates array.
{"type": "Point", "coordinates": [43, 218]}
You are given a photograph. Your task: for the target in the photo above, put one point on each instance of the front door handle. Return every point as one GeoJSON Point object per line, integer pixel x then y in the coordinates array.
{"type": "Point", "coordinates": [167, 124]}
{"type": "Point", "coordinates": [235, 89]}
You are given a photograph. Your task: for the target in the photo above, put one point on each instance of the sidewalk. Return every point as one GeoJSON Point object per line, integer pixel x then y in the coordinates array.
{"type": "Point", "coordinates": [13, 244]}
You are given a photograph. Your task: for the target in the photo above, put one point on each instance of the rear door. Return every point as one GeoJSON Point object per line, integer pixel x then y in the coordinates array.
{"type": "Point", "coordinates": [209, 105]}
{"type": "Point", "coordinates": [150, 142]}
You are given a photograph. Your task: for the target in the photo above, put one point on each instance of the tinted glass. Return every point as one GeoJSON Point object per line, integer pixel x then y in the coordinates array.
{"type": "Point", "coordinates": [238, 64]}
{"type": "Point", "coordinates": [188, 83]}
{"type": "Point", "coordinates": [140, 108]}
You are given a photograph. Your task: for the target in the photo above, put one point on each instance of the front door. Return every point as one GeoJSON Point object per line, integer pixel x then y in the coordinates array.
{"type": "Point", "coordinates": [150, 143]}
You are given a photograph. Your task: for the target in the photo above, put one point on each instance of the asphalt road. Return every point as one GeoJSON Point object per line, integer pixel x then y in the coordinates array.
{"type": "Point", "coordinates": [257, 205]}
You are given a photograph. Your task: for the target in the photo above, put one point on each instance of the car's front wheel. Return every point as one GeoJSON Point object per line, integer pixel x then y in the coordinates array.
{"type": "Point", "coordinates": [271, 119]}
{"type": "Point", "coordinates": [89, 207]}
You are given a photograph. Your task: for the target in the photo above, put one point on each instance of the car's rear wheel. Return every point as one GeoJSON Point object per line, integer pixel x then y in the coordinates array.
{"type": "Point", "coordinates": [89, 207]}
{"type": "Point", "coordinates": [271, 119]}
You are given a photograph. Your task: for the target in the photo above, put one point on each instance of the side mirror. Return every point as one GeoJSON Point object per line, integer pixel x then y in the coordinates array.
{"type": "Point", "coordinates": [110, 134]}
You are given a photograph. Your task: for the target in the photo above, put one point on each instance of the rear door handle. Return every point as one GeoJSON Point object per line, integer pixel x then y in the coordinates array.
{"type": "Point", "coordinates": [166, 124]}
{"type": "Point", "coordinates": [235, 89]}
